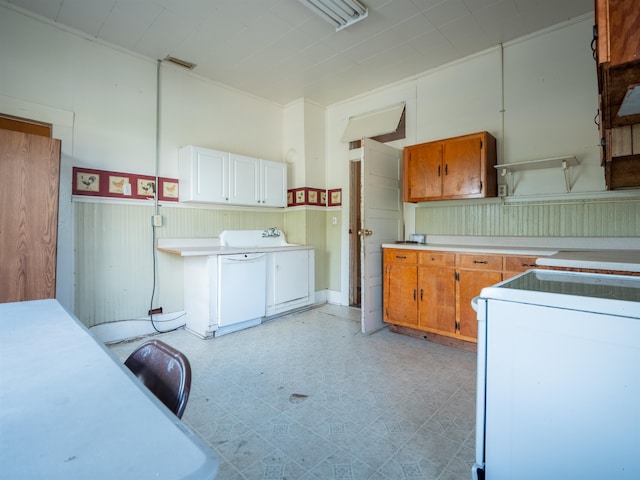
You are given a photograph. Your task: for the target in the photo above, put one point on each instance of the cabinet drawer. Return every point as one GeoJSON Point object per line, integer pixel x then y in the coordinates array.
{"type": "Point", "coordinates": [437, 259]}
{"type": "Point", "coordinates": [479, 261]}
{"type": "Point", "coordinates": [399, 256]}
{"type": "Point", "coordinates": [513, 263]}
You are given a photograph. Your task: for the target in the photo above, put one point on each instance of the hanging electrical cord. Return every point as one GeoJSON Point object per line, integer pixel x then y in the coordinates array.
{"type": "Point", "coordinates": [154, 252]}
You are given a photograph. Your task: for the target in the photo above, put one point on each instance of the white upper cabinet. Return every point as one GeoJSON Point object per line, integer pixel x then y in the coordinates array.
{"type": "Point", "coordinates": [211, 176]}
{"type": "Point", "coordinates": [245, 180]}
{"type": "Point", "coordinates": [274, 183]}
{"type": "Point", "coordinates": [204, 175]}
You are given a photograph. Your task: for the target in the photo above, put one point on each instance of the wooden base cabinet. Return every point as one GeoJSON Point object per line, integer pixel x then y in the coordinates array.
{"type": "Point", "coordinates": [436, 292]}
{"type": "Point", "coordinates": [473, 273]}
{"type": "Point", "coordinates": [400, 287]}
{"type": "Point", "coordinates": [431, 291]}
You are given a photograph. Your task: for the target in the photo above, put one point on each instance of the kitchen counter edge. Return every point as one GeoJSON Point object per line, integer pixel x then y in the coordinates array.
{"type": "Point", "coordinates": [222, 250]}
{"type": "Point", "coordinates": [613, 260]}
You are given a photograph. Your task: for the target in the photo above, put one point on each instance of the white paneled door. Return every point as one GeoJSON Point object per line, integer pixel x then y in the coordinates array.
{"type": "Point", "coordinates": [382, 222]}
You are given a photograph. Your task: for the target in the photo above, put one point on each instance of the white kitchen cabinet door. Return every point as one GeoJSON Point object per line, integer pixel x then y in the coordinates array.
{"type": "Point", "coordinates": [274, 183]}
{"type": "Point", "coordinates": [204, 175]}
{"type": "Point", "coordinates": [245, 180]}
{"type": "Point", "coordinates": [290, 280]}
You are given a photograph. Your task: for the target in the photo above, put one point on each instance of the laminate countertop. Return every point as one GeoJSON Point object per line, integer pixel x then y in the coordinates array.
{"type": "Point", "coordinates": [553, 252]}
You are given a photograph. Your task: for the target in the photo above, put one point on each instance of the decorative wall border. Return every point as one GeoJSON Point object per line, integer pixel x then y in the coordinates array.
{"type": "Point", "coordinates": [104, 183]}
{"type": "Point", "coordinates": [313, 196]}
{"type": "Point", "coordinates": [334, 197]}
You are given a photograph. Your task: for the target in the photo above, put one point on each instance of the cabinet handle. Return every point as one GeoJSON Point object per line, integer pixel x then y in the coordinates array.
{"type": "Point", "coordinates": [446, 169]}
{"type": "Point", "coordinates": [438, 170]}
{"type": "Point", "coordinates": [483, 262]}
{"type": "Point", "coordinates": [421, 294]}
{"type": "Point", "coordinates": [414, 294]}
{"type": "Point", "coordinates": [401, 257]}
{"type": "Point", "coordinates": [528, 265]}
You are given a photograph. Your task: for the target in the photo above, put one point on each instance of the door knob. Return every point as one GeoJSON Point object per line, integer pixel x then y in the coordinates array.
{"type": "Point", "coordinates": [366, 232]}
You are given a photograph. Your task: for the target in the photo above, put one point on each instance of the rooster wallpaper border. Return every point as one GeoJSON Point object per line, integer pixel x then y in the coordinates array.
{"type": "Point", "coordinates": [103, 183]}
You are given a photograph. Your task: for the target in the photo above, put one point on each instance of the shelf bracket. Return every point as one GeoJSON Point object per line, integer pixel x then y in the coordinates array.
{"type": "Point", "coordinates": [565, 170]}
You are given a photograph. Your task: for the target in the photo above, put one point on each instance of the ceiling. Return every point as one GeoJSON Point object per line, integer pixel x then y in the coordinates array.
{"type": "Point", "coordinates": [280, 50]}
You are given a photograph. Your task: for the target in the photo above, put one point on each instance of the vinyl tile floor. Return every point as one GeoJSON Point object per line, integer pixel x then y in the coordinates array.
{"type": "Point", "coordinates": [307, 396]}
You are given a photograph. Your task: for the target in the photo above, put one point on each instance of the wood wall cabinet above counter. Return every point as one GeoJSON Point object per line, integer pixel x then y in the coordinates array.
{"type": "Point", "coordinates": [453, 168]}
{"type": "Point", "coordinates": [616, 47]}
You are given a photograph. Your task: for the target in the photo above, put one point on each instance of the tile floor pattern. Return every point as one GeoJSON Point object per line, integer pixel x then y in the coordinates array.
{"type": "Point", "coordinates": [307, 396]}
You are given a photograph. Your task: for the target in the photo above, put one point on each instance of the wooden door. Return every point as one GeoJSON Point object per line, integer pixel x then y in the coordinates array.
{"type": "Point", "coordinates": [462, 168]}
{"type": "Point", "coordinates": [29, 172]}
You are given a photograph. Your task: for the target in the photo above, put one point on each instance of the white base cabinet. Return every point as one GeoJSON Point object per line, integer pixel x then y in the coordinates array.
{"type": "Point", "coordinates": [290, 280]}
{"type": "Point", "coordinates": [290, 284]}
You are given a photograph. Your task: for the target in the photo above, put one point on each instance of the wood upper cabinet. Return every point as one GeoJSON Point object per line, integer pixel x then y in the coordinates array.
{"type": "Point", "coordinates": [617, 50]}
{"type": "Point", "coordinates": [618, 24]}
{"type": "Point", "coordinates": [422, 171]}
{"type": "Point", "coordinates": [460, 167]}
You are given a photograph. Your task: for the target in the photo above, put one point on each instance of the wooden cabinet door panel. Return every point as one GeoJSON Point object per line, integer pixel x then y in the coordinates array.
{"type": "Point", "coordinates": [469, 286]}
{"type": "Point", "coordinates": [423, 172]}
{"type": "Point", "coordinates": [624, 25]}
{"type": "Point", "coordinates": [437, 299]}
{"type": "Point", "coordinates": [462, 174]}
{"type": "Point", "coordinates": [400, 294]}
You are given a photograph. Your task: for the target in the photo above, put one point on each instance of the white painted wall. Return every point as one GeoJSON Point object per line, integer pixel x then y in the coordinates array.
{"type": "Point", "coordinates": [293, 142]}
{"type": "Point", "coordinates": [315, 147]}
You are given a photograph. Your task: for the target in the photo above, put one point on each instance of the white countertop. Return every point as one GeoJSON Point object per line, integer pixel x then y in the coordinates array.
{"type": "Point", "coordinates": [222, 250]}
{"type": "Point", "coordinates": [497, 250]}
{"type": "Point", "coordinates": [194, 247]}
{"type": "Point", "coordinates": [617, 260]}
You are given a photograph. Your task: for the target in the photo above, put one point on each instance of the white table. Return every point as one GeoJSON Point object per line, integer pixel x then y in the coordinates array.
{"type": "Point", "coordinates": [70, 410]}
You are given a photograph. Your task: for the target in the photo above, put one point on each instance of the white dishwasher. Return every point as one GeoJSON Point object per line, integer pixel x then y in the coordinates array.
{"type": "Point", "coordinates": [242, 281]}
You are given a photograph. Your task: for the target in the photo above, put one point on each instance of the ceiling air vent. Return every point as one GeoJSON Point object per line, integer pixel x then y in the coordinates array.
{"type": "Point", "coordinates": [182, 63]}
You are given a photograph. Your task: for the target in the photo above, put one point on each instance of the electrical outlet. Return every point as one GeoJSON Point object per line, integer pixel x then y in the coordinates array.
{"type": "Point", "coordinates": [502, 190]}
{"type": "Point", "coordinates": [156, 220]}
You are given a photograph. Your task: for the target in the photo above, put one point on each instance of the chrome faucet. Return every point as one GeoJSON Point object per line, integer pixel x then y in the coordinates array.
{"type": "Point", "coordinates": [271, 232]}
